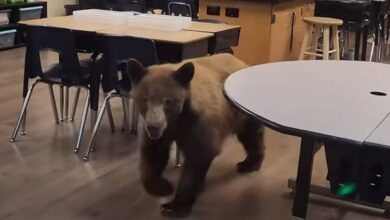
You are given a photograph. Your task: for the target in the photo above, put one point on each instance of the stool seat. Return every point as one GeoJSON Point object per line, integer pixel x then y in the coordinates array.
{"type": "Point", "coordinates": [323, 21]}
{"type": "Point", "coordinates": [328, 27]}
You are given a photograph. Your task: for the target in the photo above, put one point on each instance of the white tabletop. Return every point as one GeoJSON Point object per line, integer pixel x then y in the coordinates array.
{"type": "Point", "coordinates": [381, 135]}
{"type": "Point", "coordinates": [320, 98]}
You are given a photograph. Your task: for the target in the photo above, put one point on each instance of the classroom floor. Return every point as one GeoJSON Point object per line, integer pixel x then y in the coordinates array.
{"type": "Point", "coordinates": [41, 178]}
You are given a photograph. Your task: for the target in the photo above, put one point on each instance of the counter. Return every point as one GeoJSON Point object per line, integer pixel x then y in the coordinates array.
{"type": "Point", "coordinates": [271, 30]}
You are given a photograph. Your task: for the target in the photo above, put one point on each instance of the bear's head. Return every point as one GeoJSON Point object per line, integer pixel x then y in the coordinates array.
{"type": "Point", "coordinates": [160, 93]}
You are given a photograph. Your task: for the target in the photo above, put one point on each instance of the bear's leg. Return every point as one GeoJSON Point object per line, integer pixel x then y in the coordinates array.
{"type": "Point", "coordinates": [154, 158]}
{"type": "Point", "coordinates": [191, 182]}
{"type": "Point", "coordinates": [252, 139]}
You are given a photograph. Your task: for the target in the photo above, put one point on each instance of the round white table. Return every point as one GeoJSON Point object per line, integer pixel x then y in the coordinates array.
{"type": "Point", "coordinates": [317, 100]}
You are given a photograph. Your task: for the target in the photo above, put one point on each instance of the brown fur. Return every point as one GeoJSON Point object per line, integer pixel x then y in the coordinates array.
{"type": "Point", "coordinates": [185, 103]}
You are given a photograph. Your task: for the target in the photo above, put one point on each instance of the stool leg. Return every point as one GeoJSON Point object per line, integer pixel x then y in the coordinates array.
{"type": "Point", "coordinates": [315, 41]}
{"type": "Point", "coordinates": [364, 43]}
{"type": "Point", "coordinates": [336, 42]}
{"type": "Point", "coordinates": [325, 43]}
{"type": "Point", "coordinates": [305, 42]}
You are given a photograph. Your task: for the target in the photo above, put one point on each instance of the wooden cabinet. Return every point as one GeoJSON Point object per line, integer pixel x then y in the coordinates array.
{"type": "Point", "coordinates": [270, 32]}
{"type": "Point", "coordinates": [288, 29]}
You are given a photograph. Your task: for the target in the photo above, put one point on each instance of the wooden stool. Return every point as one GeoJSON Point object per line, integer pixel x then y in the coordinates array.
{"type": "Point", "coordinates": [315, 24]}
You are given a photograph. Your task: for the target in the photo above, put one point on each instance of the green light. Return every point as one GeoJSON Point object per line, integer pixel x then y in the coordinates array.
{"type": "Point", "coordinates": [347, 189]}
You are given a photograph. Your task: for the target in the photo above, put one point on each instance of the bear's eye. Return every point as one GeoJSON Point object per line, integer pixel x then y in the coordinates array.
{"type": "Point", "coordinates": [167, 101]}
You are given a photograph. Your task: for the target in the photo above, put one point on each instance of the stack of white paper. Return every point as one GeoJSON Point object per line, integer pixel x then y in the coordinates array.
{"type": "Point", "coordinates": [101, 16]}
{"type": "Point", "coordinates": [159, 22]}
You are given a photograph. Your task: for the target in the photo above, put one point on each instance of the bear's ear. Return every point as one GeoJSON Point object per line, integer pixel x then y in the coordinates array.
{"type": "Point", "coordinates": [185, 74]}
{"type": "Point", "coordinates": [136, 71]}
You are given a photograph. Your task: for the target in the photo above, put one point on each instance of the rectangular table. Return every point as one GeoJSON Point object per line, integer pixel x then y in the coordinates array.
{"type": "Point", "coordinates": [225, 36]}
{"type": "Point", "coordinates": [221, 37]}
{"type": "Point", "coordinates": [171, 46]}
{"type": "Point", "coordinates": [66, 22]}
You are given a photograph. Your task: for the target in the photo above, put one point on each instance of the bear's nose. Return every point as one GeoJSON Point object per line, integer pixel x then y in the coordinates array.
{"type": "Point", "coordinates": [153, 129]}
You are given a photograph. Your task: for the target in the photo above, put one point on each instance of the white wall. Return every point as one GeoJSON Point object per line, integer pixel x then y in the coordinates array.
{"type": "Point", "coordinates": [56, 7]}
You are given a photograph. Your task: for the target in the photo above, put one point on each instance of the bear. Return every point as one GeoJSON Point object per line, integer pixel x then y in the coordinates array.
{"type": "Point", "coordinates": [185, 103]}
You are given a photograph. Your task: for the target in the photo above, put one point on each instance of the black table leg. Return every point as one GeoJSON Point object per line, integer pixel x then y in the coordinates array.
{"type": "Point", "coordinates": [305, 167]}
{"type": "Point", "coordinates": [94, 92]}
{"type": "Point", "coordinates": [357, 43]}
{"type": "Point", "coordinates": [364, 44]}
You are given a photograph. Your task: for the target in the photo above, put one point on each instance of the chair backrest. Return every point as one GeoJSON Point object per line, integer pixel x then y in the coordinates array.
{"type": "Point", "coordinates": [118, 51]}
{"type": "Point", "coordinates": [61, 41]}
{"type": "Point", "coordinates": [186, 8]}
{"type": "Point", "coordinates": [132, 5]}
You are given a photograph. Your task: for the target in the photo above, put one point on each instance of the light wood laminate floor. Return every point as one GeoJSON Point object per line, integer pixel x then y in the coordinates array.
{"type": "Point", "coordinates": [41, 178]}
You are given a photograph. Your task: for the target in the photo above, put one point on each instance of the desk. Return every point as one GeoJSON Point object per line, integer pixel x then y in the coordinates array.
{"type": "Point", "coordinates": [225, 36]}
{"type": "Point", "coordinates": [171, 46]}
{"type": "Point", "coordinates": [315, 100]}
{"type": "Point", "coordinates": [66, 22]}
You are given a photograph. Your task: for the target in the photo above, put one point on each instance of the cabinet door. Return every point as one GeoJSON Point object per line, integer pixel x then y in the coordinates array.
{"type": "Point", "coordinates": [300, 28]}
{"type": "Point", "coordinates": [254, 17]}
{"type": "Point", "coordinates": [282, 32]}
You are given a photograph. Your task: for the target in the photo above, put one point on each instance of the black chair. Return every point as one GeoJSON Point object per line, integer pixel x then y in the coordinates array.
{"type": "Point", "coordinates": [132, 5]}
{"type": "Point", "coordinates": [186, 8]}
{"type": "Point", "coordinates": [68, 72]}
{"type": "Point", "coordinates": [117, 51]}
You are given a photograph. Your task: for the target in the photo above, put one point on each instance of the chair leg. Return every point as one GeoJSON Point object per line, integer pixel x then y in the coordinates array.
{"type": "Point", "coordinates": [135, 118]}
{"type": "Point", "coordinates": [336, 43]}
{"type": "Point", "coordinates": [66, 102]}
{"type": "Point", "coordinates": [177, 163]}
{"type": "Point", "coordinates": [83, 122]}
{"type": "Point", "coordinates": [62, 102]}
{"type": "Point", "coordinates": [325, 54]}
{"type": "Point", "coordinates": [109, 114]}
{"type": "Point", "coordinates": [75, 103]}
{"type": "Point", "coordinates": [125, 103]}
{"type": "Point", "coordinates": [23, 111]}
{"type": "Point", "coordinates": [91, 142]}
{"type": "Point", "coordinates": [53, 104]}
{"type": "Point", "coordinates": [23, 129]}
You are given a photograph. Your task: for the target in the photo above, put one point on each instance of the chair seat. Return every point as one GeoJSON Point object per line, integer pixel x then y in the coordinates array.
{"type": "Point", "coordinates": [55, 74]}
{"type": "Point", "coordinates": [323, 21]}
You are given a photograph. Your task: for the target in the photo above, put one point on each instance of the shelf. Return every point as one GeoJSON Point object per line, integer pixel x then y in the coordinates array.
{"type": "Point", "coordinates": [12, 47]}
{"type": "Point", "coordinates": [17, 5]}
{"type": "Point", "coordinates": [8, 26]}
{"type": "Point", "coordinates": [15, 17]}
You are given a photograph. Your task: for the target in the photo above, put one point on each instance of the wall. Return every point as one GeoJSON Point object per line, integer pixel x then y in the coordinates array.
{"type": "Point", "coordinates": [56, 7]}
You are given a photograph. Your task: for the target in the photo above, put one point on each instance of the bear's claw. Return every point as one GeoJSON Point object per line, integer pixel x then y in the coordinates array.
{"type": "Point", "coordinates": [173, 210]}
{"type": "Point", "coordinates": [159, 187]}
{"type": "Point", "coordinates": [248, 165]}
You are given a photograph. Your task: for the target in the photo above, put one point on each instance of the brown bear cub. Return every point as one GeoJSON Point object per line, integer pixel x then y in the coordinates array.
{"type": "Point", "coordinates": [185, 103]}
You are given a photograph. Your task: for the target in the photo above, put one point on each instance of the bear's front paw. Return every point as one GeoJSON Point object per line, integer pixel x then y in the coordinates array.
{"type": "Point", "coordinates": [158, 187]}
{"type": "Point", "coordinates": [173, 209]}
{"type": "Point", "coordinates": [248, 165]}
